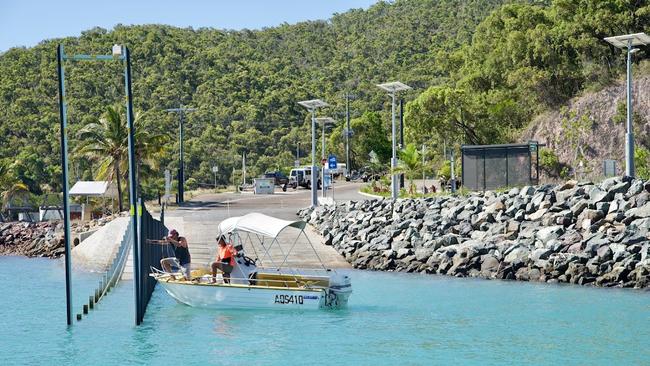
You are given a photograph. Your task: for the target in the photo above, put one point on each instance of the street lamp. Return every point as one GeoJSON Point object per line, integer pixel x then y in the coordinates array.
{"type": "Point", "coordinates": [215, 170]}
{"type": "Point", "coordinates": [627, 42]}
{"type": "Point", "coordinates": [312, 105]}
{"type": "Point", "coordinates": [323, 121]}
{"type": "Point", "coordinates": [348, 134]}
{"type": "Point", "coordinates": [392, 88]}
{"type": "Point", "coordinates": [181, 166]}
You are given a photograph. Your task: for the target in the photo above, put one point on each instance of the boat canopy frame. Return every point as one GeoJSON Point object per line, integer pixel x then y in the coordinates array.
{"type": "Point", "coordinates": [263, 227]}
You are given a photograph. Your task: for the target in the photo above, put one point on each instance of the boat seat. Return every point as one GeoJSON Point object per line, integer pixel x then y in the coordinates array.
{"type": "Point", "coordinates": [289, 281]}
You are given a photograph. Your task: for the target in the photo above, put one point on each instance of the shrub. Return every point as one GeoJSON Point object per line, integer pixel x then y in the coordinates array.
{"type": "Point", "coordinates": [191, 184]}
{"type": "Point", "coordinates": [642, 162]}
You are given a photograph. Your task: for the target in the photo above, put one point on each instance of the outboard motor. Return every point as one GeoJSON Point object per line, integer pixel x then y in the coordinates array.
{"type": "Point", "coordinates": [245, 268]}
{"type": "Point", "coordinates": [339, 290]}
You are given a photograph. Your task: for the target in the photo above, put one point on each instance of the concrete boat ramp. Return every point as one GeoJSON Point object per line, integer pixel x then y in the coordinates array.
{"type": "Point", "coordinates": [199, 218]}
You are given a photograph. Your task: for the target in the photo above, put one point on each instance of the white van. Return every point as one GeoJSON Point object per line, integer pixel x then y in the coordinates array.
{"type": "Point", "coordinates": [301, 177]}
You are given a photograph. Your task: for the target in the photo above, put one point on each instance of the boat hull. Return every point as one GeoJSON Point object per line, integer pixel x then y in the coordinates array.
{"type": "Point", "coordinates": [224, 296]}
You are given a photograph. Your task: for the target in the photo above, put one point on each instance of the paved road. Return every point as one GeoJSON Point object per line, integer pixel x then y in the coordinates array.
{"type": "Point", "coordinates": [198, 219]}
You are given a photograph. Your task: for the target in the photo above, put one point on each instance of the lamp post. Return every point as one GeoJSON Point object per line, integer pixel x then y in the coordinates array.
{"type": "Point", "coordinates": [392, 88]}
{"type": "Point", "coordinates": [401, 136]}
{"type": "Point", "coordinates": [311, 106]}
{"type": "Point", "coordinates": [181, 166]}
{"type": "Point", "coordinates": [215, 170]}
{"type": "Point", "coordinates": [348, 134]}
{"type": "Point", "coordinates": [323, 121]}
{"type": "Point", "coordinates": [628, 41]}
{"type": "Point", "coordinates": [298, 151]}
{"type": "Point", "coordinates": [424, 177]}
{"type": "Point", "coordinates": [120, 53]}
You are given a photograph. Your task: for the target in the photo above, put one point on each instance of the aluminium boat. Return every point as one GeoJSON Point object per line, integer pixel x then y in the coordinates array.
{"type": "Point", "coordinates": [253, 285]}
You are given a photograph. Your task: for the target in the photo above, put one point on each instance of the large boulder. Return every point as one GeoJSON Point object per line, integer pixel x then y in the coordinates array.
{"type": "Point", "coordinates": [517, 254]}
{"type": "Point", "coordinates": [549, 233]}
{"type": "Point", "coordinates": [596, 194]}
{"type": "Point", "coordinates": [640, 212]}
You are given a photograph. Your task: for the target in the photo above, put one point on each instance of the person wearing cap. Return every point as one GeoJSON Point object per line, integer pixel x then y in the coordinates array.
{"type": "Point", "coordinates": [225, 261]}
{"type": "Point", "coordinates": [181, 257]}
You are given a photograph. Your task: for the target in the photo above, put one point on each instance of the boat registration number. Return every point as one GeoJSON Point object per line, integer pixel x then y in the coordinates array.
{"type": "Point", "coordinates": [289, 299]}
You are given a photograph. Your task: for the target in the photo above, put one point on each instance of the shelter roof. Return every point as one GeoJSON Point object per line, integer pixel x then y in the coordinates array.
{"type": "Point", "coordinates": [93, 189]}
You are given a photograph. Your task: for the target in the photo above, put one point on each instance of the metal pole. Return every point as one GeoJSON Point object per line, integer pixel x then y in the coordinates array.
{"type": "Point", "coordinates": [133, 179]}
{"type": "Point", "coordinates": [332, 181]}
{"type": "Point", "coordinates": [629, 136]}
{"type": "Point", "coordinates": [453, 175]}
{"type": "Point", "coordinates": [393, 162]}
{"type": "Point", "coordinates": [64, 184]}
{"type": "Point", "coordinates": [298, 151]}
{"type": "Point", "coordinates": [314, 195]}
{"type": "Point", "coordinates": [348, 166]}
{"type": "Point", "coordinates": [323, 158]}
{"type": "Point", "coordinates": [181, 167]}
{"type": "Point", "coordinates": [424, 178]}
{"type": "Point", "coordinates": [401, 136]}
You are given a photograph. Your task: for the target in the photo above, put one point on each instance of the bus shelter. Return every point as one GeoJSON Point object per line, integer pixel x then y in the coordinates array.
{"type": "Point", "coordinates": [488, 167]}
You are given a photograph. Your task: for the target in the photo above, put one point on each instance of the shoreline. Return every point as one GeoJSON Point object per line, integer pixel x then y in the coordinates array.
{"type": "Point", "coordinates": [578, 233]}
{"type": "Point", "coordinates": [43, 239]}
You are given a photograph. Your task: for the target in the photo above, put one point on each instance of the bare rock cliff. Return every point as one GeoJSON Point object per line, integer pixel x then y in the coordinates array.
{"type": "Point", "coordinates": [591, 127]}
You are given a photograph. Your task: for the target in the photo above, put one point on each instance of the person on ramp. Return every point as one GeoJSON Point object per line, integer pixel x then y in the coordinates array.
{"type": "Point", "coordinates": [225, 260]}
{"type": "Point", "coordinates": [182, 258]}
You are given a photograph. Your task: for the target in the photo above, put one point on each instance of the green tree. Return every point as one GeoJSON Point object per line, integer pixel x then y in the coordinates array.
{"type": "Point", "coordinates": [410, 163]}
{"type": "Point", "coordinates": [106, 140]}
{"type": "Point", "coordinates": [11, 188]}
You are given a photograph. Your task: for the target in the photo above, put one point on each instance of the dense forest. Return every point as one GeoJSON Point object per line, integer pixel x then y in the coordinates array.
{"type": "Point", "coordinates": [480, 71]}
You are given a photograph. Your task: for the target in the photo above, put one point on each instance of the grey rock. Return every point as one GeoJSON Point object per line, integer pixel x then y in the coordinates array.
{"type": "Point", "coordinates": [578, 207]}
{"type": "Point", "coordinates": [621, 187]}
{"type": "Point", "coordinates": [549, 233]}
{"type": "Point", "coordinates": [423, 254]}
{"type": "Point", "coordinates": [489, 263]}
{"type": "Point", "coordinates": [598, 195]}
{"type": "Point", "coordinates": [541, 253]}
{"type": "Point", "coordinates": [635, 188]}
{"type": "Point", "coordinates": [517, 254]}
{"type": "Point", "coordinates": [537, 215]}
{"type": "Point", "coordinates": [640, 212]}
{"type": "Point", "coordinates": [526, 191]}
{"type": "Point", "coordinates": [402, 253]}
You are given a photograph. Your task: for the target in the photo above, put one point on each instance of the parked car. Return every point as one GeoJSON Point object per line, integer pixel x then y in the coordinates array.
{"type": "Point", "coordinates": [281, 180]}
{"type": "Point", "coordinates": [301, 177]}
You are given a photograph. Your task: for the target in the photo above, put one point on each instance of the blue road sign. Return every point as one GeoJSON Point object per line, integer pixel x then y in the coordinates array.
{"type": "Point", "coordinates": [332, 162]}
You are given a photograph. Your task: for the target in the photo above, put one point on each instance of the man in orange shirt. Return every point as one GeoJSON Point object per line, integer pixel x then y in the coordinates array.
{"type": "Point", "coordinates": [225, 261]}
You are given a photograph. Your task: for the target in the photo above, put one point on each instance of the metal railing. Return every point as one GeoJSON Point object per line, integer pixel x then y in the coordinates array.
{"type": "Point", "coordinates": [150, 256]}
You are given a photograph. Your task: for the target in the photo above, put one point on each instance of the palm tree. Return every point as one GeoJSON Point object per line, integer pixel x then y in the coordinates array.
{"type": "Point", "coordinates": [106, 139]}
{"type": "Point", "coordinates": [12, 189]}
{"type": "Point", "coordinates": [410, 164]}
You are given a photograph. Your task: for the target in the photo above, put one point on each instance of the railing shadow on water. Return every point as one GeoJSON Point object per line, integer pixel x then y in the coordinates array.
{"type": "Point", "coordinates": [112, 276]}
{"type": "Point", "coordinates": [150, 256]}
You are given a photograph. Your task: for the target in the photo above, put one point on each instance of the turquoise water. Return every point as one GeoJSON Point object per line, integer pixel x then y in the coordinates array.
{"type": "Point", "coordinates": [393, 319]}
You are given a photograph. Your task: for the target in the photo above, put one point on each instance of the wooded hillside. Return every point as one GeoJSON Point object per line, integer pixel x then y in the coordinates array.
{"type": "Point", "coordinates": [480, 71]}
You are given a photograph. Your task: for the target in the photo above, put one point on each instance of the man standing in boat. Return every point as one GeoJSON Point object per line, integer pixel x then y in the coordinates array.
{"type": "Point", "coordinates": [225, 261]}
{"type": "Point", "coordinates": [181, 257]}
